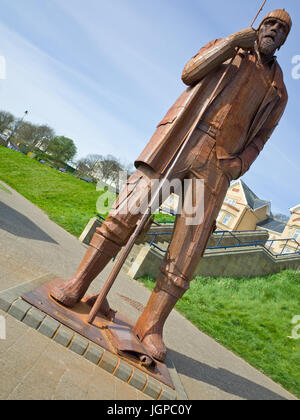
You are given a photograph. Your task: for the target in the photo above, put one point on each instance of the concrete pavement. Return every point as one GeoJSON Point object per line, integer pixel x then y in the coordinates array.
{"type": "Point", "coordinates": [35, 368]}
{"type": "Point", "coordinates": [31, 246]}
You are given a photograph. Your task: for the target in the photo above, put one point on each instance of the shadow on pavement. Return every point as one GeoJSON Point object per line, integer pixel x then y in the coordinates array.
{"type": "Point", "coordinates": [19, 225]}
{"type": "Point", "coordinates": [221, 378]}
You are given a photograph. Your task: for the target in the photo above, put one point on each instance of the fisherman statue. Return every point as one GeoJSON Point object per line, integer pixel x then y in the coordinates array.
{"type": "Point", "coordinates": [241, 116]}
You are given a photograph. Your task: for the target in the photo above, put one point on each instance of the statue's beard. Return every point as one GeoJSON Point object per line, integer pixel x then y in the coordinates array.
{"type": "Point", "coordinates": [267, 46]}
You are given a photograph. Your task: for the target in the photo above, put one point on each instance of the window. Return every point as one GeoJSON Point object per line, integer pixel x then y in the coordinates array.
{"type": "Point", "coordinates": [297, 235]}
{"type": "Point", "coordinates": [226, 220]}
{"type": "Point", "coordinates": [219, 217]}
{"type": "Point", "coordinates": [170, 201]}
{"type": "Point", "coordinates": [230, 201]}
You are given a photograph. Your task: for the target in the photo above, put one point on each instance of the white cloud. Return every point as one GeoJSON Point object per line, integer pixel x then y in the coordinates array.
{"type": "Point", "coordinates": [111, 35]}
{"type": "Point", "coordinates": [37, 82]}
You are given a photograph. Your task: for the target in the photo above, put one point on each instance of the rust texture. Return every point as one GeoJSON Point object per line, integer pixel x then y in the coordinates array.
{"type": "Point", "coordinates": [114, 336]}
{"type": "Point", "coordinates": [235, 98]}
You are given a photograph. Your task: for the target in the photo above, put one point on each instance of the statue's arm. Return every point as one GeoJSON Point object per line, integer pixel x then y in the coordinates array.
{"type": "Point", "coordinates": [250, 154]}
{"type": "Point", "coordinates": [215, 53]}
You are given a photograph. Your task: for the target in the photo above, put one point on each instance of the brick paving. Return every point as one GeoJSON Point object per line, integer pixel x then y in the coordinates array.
{"type": "Point", "coordinates": [12, 303]}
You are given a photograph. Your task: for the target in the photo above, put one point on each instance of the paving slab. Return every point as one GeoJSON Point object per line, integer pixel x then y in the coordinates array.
{"type": "Point", "coordinates": [32, 367]}
{"type": "Point", "coordinates": [31, 246]}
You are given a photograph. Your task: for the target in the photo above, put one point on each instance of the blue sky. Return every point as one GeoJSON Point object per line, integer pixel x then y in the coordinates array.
{"type": "Point", "coordinates": [105, 72]}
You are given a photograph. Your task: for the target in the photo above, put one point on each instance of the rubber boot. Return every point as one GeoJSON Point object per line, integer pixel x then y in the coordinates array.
{"type": "Point", "coordinates": [149, 327]}
{"type": "Point", "coordinates": [100, 252]}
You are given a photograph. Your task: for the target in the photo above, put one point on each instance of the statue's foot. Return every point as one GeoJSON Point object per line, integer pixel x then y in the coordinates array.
{"type": "Point", "coordinates": [153, 343]}
{"type": "Point", "coordinates": [67, 293]}
{"type": "Point", "coordinates": [149, 327]}
{"type": "Point", "coordinates": [105, 308]}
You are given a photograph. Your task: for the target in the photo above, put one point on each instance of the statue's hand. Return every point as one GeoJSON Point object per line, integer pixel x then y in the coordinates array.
{"type": "Point", "coordinates": [231, 167]}
{"type": "Point", "coordinates": [245, 39]}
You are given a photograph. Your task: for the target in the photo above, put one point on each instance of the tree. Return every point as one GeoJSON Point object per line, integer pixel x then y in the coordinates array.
{"type": "Point", "coordinates": [45, 134]}
{"type": "Point", "coordinates": [82, 168]}
{"type": "Point", "coordinates": [93, 162]}
{"type": "Point", "coordinates": [34, 136]}
{"type": "Point", "coordinates": [62, 149]}
{"type": "Point", "coordinates": [129, 168]}
{"type": "Point", "coordinates": [26, 134]}
{"type": "Point", "coordinates": [101, 168]}
{"type": "Point", "coordinates": [7, 121]}
{"type": "Point", "coordinates": [110, 168]}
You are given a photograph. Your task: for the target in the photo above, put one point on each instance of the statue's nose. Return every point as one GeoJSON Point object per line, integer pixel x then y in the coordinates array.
{"type": "Point", "coordinates": [275, 27]}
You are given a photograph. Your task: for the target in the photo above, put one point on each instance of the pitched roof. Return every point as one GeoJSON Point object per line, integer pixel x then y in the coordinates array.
{"type": "Point", "coordinates": [294, 209]}
{"type": "Point", "coordinates": [273, 225]}
{"type": "Point", "coordinates": [253, 201]}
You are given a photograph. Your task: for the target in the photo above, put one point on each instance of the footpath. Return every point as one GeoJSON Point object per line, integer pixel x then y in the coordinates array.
{"type": "Point", "coordinates": [34, 367]}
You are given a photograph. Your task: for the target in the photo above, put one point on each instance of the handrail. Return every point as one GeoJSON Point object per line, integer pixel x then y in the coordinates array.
{"type": "Point", "coordinates": [240, 244]}
{"type": "Point", "coordinates": [170, 222]}
{"type": "Point", "coordinates": [100, 217]}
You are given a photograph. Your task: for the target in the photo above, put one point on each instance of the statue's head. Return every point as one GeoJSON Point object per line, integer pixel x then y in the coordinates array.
{"type": "Point", "coordinates": [273, 31]}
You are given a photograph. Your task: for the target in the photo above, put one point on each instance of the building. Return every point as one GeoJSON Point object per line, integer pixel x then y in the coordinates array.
{"type": "Point", "coordinates": [11, 145]}
{"type": "Point", "coordinates": [5, 140]}
{"type": "Point", "coordinates": [290, 238]}
{"type": "Point", "coordinates": [293, 225]}
{"type": "Point", "coordinates": [242, 209]}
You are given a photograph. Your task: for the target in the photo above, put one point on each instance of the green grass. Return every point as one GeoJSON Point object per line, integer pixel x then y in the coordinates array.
{"type": "Point", "coordinates": [252, 317]}
{"type": "Point", "coordinates": [4, 189]}
{"type": "Point", "coordinates": [160, 217]}
{"type": "Point", "coordinates": [68, 201]}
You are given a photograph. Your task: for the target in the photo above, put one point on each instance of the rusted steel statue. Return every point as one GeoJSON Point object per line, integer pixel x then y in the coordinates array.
{"type": "Point", "coordinates": [235, 125]}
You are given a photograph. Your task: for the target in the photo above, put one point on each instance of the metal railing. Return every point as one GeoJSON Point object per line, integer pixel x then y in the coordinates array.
{"type": "Point", "coordinates": [240, 244]}
{"type": "Point", "coordinates": [287, 242]}
{"type": "Point", "coordinates": [156, 235]}
{"type": "Point", "coordinates": [100, 218]}
{"type": "Point", "coordinates": [167, 222]}
{"type": "Point", "coordinates": [268, 245]}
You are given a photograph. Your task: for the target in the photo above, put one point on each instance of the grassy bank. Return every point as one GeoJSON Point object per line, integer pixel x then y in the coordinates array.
{"type": "Point", "coordinates": [4, 189]}
{"type": "Point", "coordinates": [251, 317]}
{"type": "Point", "coordinates": [161, 217]}
{"type": "Point", "coordinates": [68, 201]}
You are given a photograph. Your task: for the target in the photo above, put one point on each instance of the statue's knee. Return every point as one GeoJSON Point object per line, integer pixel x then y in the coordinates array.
{"type": "Point", "coordinates": [105, 245]}
{"type": "Point", "coordinates": [174, 284]}
{"type": "Point", "coordinates": [117, 230]}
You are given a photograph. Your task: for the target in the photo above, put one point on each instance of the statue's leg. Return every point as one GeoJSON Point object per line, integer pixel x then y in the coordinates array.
{"type": "Point", "coordinates": [183, 256]}
{"type": "Point", "coordinates": [98, 255]}
{"type": "Point", "coordinates": [107, 241]}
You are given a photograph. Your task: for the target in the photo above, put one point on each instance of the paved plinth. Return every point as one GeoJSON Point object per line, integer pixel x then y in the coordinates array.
{"type": "Point", "coordinates": [16, 307]}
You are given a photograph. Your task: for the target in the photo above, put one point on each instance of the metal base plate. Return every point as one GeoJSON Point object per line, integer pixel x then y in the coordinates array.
{"type": "Point", "coordinates": [115, 337]}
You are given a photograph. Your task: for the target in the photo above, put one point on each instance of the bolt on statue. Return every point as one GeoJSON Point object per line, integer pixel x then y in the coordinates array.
{"type": "Point", "coordinates": [235, 124]}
